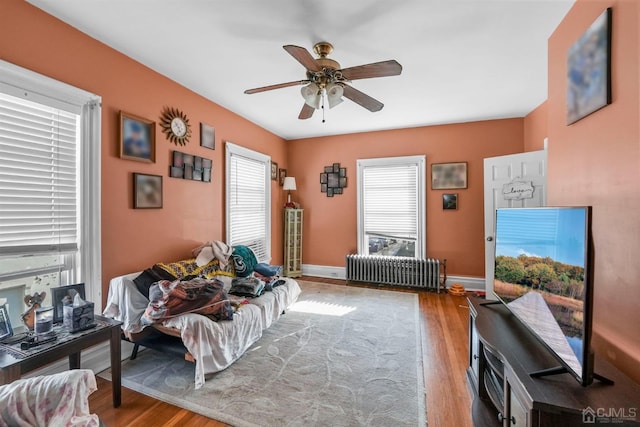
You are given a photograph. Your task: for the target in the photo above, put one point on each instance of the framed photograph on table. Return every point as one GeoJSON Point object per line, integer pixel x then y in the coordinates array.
{"type": "Point", "coordinates": [5, 324]}
{"type": "Point", "coordinates": [137, 138]}
{"type": "Point", "coordinates": [64, 295]}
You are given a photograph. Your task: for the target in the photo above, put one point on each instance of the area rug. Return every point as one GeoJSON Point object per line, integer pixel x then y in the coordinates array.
{"type": "Point", "coordinates": [340, 356]}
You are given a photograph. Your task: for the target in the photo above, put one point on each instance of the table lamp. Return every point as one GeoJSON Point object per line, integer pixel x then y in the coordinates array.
{"type": "Point", "coordinates": [289, 184]}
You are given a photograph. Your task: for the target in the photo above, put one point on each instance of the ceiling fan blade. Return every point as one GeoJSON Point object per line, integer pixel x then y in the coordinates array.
{"type": "Point", "coordinates": [377, 69]}
{"type": "Point", "coordinates": [306, 112]}
{"type": "Point", "coordinates": [278, 86]}
{"type": "Point", "coordinates": [303, 56]}
{"type": "Point", "coordinates": [362, 99]}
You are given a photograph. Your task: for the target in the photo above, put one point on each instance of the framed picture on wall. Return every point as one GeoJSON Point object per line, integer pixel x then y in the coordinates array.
{"type": "Point", "coordinates": [137, 138]}
{"type": "Point", "coordinates": [274, 171]}
{"type": "Point", "coordinates": [445, 176]}
{"type": "Point", "coordinates": [282, 175]}
{"type": "Point", "coordinates": [207, 136]}
{"type": "Point", "coordinates": [147, 191]}
{"type": "Point", "coordinates": [450, 201]}
{"type": "Point", "coordinates": [589, 70]}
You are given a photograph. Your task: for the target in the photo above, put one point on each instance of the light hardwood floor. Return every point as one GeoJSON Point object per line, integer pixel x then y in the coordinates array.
{"type": "Point", "coordinates": [444, 348]}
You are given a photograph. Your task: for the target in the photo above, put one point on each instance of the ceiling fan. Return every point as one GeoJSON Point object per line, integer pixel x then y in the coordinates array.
{"type": "Point", "coordinates": [326, 78]}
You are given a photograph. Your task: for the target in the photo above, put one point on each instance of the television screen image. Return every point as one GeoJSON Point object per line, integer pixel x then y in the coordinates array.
{"type": "Point", "coordinates": [542, 275]}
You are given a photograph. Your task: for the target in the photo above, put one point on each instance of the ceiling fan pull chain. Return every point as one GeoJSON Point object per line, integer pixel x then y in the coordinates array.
{"type": "Point", "coordinates": [322, 109]}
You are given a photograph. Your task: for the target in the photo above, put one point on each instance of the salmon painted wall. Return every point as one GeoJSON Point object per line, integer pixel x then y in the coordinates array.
{"type": "Point", "coordinates": [330, 224]}
{"type": "Point", "coordinates": [596, 161]}
{"type": "Point", "coordinates": [535, 128]}
{"type": "Point", "coordinates": [192, 212]}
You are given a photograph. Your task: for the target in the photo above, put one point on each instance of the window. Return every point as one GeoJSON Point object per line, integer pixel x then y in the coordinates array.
{"type": "Point", "coordinates": [49, 187]}
{"type": "Point", "coordinates": [391, 206]}
{"type": "Point", "coordinates": [248, 183]}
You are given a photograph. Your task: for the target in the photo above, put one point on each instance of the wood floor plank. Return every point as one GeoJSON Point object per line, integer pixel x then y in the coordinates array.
{"type": "Point", "coordinates": [444, 333]}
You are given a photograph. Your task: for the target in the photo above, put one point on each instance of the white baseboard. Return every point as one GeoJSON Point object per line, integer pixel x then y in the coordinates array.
{"type": "Point", "coordinates": [470, 283]}
{"type": "Point", "coordinates": [473, 284]}
{"type": "Point", "coordinates": [327, 271]}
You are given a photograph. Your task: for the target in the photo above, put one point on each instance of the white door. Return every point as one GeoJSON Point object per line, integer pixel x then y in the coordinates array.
{"type": "Point", "coordinates": [504, 178]}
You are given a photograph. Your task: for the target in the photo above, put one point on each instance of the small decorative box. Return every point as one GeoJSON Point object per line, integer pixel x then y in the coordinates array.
{"type": "Point", "coordinates": [78, 318]}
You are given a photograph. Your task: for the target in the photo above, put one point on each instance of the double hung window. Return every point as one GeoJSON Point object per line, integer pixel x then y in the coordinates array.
{"type": "Point", "coordinates": [248, 200]}
{"type": "Point", "coordinates": [391, 206]}
{"type": "Point", "coordinates": [49, 187]}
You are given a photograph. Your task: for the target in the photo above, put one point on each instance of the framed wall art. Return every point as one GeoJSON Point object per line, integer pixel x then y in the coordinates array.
{"type": "Point", "coordinates": [282, 174]}
{"type": "Point", "coordinates": [207, 136]}
{"type": "Point", "coordinates": [137, 138]}
{"type": "Point", "coordinates": [190, 167]}
{"type": "Point", "coordinates": [450, 201]}
{"type": "Point", "coordinates": [274, 171]}
{"type": "Point", "coordinates": [445, 176]}
{"type": "Point", "coordinates": [333, 180]}
{"type": "Point", "coordinates": [147, 191]}
{"type": "Point", "coordinates": [589, 70]}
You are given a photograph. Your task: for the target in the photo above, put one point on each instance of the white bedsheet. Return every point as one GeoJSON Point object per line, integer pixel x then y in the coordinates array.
{"type": "Point", "coordinates": [50, 400]}
{"type": "Point", "coordinates": [214, 345]}
{"type": "Point", "coordinates": [125, 303]}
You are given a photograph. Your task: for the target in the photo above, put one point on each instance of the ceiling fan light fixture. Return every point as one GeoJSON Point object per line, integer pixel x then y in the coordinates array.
{"type": "Point", "coordinates": [334, 94]}
{"type": "Point", "coordinates": [312, 95]}
{"type": "Point", "coordinates": [326, 78]}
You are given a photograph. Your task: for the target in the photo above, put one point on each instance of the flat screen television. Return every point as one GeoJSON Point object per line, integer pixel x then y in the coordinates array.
{"type": "Point", "coordinates": [543, 274]}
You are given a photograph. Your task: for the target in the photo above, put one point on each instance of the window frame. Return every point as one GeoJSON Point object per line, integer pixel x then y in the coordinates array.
{"type": "Point", "coordinates": [232, 149]}
{"type": "Point", "coordinates": [420, 163]}
{"type": "Point", "coordinates": [23, 83]}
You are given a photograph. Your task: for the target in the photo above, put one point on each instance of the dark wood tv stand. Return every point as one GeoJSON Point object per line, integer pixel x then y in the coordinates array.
{"type": "Point", "coordinates": [503, 353]}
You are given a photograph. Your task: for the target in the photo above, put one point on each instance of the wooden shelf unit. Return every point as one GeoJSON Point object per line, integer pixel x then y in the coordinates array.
{"type": "Point", "coordinates": [293, 242]}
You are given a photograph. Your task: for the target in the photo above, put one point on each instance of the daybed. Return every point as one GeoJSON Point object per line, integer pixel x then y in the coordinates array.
{"type": "Point", "coordinates": [212, 344]}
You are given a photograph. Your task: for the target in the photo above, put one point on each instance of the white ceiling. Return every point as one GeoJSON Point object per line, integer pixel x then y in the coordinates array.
{"type": "Point", "coordinates": [462, 60]}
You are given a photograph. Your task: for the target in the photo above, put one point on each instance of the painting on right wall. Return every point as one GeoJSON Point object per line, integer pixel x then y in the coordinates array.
{"type": "Point", "coordinates": [589, 70]}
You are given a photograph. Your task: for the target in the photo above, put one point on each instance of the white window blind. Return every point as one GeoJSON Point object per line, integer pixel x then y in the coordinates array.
{"type": "Point", "coordinates": [391, 200]}
{"type": "Point", "coordinates": [38, 178]}
{"type": "Point", "coordinates": [248, 201]}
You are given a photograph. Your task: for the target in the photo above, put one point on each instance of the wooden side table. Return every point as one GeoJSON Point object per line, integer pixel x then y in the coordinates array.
{"type": "Point", "coordinates": [15, 362]}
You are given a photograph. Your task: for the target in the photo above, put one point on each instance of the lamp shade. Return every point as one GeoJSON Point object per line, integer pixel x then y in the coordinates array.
{"type": "Point", "coordinates": [312, 95]}
{"type": "Point", "coordinates": [334, 94]}
{"type": "Point", "coordinates": [289, 183]}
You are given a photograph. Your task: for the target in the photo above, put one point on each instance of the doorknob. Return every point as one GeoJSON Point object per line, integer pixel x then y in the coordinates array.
{"type": "Point", "coordinates": [489, 239]}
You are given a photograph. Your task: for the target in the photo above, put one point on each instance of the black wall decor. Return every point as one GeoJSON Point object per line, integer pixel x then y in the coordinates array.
{"type": "Point", "coordinates": [333, 179]}
{"type": "Point", "coordinates": [188, 166]}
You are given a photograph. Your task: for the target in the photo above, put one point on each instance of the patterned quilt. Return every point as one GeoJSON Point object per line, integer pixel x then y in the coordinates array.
{"type": "Point", "coordinates": [189, 267]}
{"type": "Point", "coordinates": [168, 299]}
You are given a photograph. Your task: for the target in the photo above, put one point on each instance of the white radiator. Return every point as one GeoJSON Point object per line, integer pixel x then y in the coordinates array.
{"type": "Point", "coordinates": [393, 270]}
